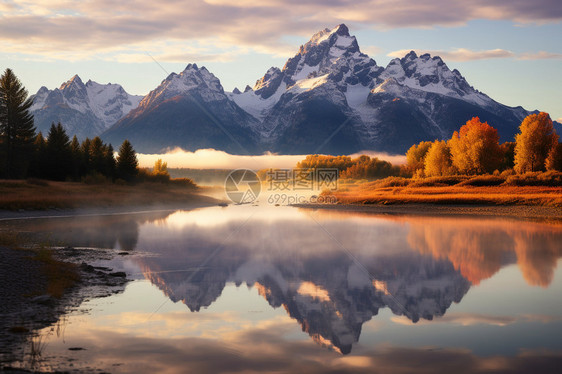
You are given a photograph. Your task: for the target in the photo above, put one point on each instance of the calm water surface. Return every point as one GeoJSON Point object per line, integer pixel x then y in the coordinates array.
{"type": "Point", "coordinates": [281, 289]}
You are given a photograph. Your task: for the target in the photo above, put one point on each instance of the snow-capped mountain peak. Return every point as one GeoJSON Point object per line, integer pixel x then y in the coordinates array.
{"type": "Point", "coordinates": [330, 57]}
{"type": "Point", "coordinates": [192, 80]}
{"type": "Point", "coordinates": [430, 74]}
{"type": "Point", "coordinates": [332, 52]}
{"type": "Point", "coordinates": [74, 82]}
{"type": "Point", "coordinates": [96, 106]}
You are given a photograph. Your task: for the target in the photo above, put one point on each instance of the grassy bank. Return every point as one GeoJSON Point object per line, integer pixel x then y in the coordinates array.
{"type": "Point", "coordinates": [532, 190]}
{"type": "Point", "coordinates": [42, 195]}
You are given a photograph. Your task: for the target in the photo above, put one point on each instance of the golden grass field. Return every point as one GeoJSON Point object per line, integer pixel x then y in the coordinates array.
{"type": "Point", "coordinates": [40, 195]}
{"type": "Point", "coordinates": [369, 193]}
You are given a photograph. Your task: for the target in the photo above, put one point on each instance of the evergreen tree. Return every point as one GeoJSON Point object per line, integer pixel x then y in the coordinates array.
{"type": "Point", "coordinates": [38, 162]}
{"type": "Point", "coordinates": [96, 155]}
{"type": "Point", "coordinates": [127, 163]}
{"type": "Point", "coordinates": [85, 148]}
{"type": "Point", "coordinates": [17, 131]}
{"type": "Point", "coordinates": [76, 157]}
{"type": "Point", "coordinates": [109, 163]}
{"type": "Point", "coordinates": [59, 163]}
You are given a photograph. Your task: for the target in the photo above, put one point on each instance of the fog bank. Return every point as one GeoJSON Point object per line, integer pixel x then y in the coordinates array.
{"type": "Point", "coordinates": [213, 159]}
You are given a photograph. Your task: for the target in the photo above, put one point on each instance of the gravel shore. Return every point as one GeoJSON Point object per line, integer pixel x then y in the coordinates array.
{"type": "Point", "coordinates": [25, 308]}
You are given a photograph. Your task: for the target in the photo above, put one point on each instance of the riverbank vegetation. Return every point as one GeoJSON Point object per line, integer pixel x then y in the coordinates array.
{"type": "Point", "coordinates": [470, 168]}
{"type": "Point", "coordinates": [35, 194]}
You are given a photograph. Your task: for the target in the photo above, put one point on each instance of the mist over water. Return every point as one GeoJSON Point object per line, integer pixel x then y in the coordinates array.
{"type": "Point", "coordinates": [214, 159]}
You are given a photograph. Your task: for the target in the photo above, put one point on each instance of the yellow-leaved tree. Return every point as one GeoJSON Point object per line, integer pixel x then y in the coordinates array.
{"type": "Point", "coordinates": [438, 160]}
{"type": "Point", "coordinates": [554, 159]}
{"type": "Point", "coordinates": [416, 155]}
{"type": "Point", "coordinates": [160, 171]}
{"type": "Point", "coordinates": [535, 141]}
{"type": "Point", "coordinates": [475, 148]}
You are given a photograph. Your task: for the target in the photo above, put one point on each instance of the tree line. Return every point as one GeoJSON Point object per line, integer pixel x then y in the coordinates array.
{"type": "Point", "coordinates": [362, 167]}
{"type": "Point", "coordinates": [475, 149]}
{"type": "Point", "coordinates": [23, 153]}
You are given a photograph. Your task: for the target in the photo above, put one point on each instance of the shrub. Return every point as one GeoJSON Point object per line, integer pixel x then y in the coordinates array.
{"type": "Point", "coordinates": [184, 182]}
{"type": "Point", "coordinates": [483, 180]}
{"type": "Point", "coordinates": [393, 182]}
{"type": "Point", "coordinates": [549, 179]}
{"type": "Point", "coordinates": [37, 182]}
{"type": "Point", "coordinates": [439, 181]}
{"type": "Point", "coordinates": [95, 178]}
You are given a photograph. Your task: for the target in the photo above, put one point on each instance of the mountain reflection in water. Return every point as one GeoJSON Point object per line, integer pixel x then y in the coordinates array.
{"type": "Point", "coordinates": [331, 271]}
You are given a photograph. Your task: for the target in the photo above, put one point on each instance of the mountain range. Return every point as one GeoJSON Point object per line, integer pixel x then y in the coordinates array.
{"type": "Point", "coordinates": [329, 98]}
{"type": "Point", "coordinates": [85, 110]}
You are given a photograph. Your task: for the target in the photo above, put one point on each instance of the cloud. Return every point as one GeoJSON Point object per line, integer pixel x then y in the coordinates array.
{"type": "Point", "coordinates": [542, 55]}
{"type": "Point", "coordinates": [213, 159]}
{"type": "Point", "coordinates": [463, 319]}
{"type": "Point", "coordinates": [371, 50]}
{"type": "Point", "coordinates": [269, 349]}
{"type": "Point", "coordinates": [463, 54]}
{"type": "Point", "coordinates": [88, 28]}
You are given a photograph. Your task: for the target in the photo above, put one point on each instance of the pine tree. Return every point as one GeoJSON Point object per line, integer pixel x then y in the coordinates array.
{"type": "Point", "coordinates": [96, 155]}
{"type": "Point", "coordinates": [39, 160]}
{"type": "Point", "coordinates": [85, 148]}
{"type": "Point", "coordinates": [59, 165]}
{"type": "Point", "coordinates": [109, 163]}
{"type": "Point", "coordinates": [17, 131]}
{"type": "Point", "coordinates": [76, 157]}
{"type": "Point", "coordinates": [127, 163]}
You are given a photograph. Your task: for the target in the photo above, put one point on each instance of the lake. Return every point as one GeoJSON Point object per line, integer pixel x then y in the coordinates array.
{"type": "Point", "coordinates": [282, 289]}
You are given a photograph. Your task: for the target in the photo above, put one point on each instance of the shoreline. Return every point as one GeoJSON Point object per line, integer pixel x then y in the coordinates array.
{"type": "Point", "coordinates": [10, 215]}
{"type": "Point", "coordinates": [29, 307]}
{"type": "Point", "coordinates": [518, 212]}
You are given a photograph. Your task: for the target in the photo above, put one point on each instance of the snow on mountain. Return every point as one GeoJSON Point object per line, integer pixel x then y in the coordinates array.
{"type": "Point", "coordinates": [188, 110]}
{"type": "Point", "coordinates": [85, 110]}
{"type": "Point", "coordinates": [431, 74]}
{"type": "Point", "coordinates": [328, 98]}
{"type": "Point", "coordinates": [192, 79]}
{"type": "Point", "coordinates": [387, 109]}
{"type": "Point", "coordinates": [329, 295]}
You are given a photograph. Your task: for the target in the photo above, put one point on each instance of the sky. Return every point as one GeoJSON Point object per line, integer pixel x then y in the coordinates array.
{"type": "Point", "coordinates": [508, 49]}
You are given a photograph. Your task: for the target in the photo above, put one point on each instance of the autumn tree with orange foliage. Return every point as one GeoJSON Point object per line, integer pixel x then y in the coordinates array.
{"type": "Point", "coordinates": [475, 148]}
{"type": "Point", "coordinates": [554, 159]}
{"type": "Point", "coordinates": [415, 156]}
{"type": "Point", "coordinates": [536, 140]}
{"type": "Point", "coordinates": [365, 167]}
{"type": "Point", "coordinates": [438, 160]}
{"type": "Point", "coordinates": [320, 161]}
